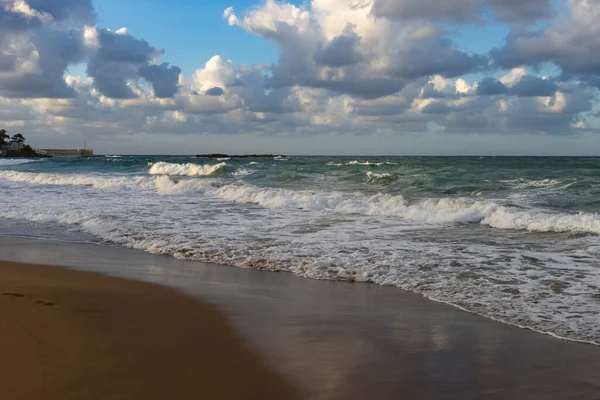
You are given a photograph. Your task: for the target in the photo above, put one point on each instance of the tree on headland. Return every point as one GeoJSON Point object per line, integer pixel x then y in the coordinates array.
{"type": "Point", "coordinates": [18, 138]}
{"type": "Point", "coordinates": [3, 136]}
{"type": "Point", "coordinates": [22, 151]}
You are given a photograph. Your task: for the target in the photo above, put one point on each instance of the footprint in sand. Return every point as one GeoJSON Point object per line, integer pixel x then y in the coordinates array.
{"type": "Point", "coordinates": [13, 294]}
{"type": "Point", "coordinates": [44, 303]}
{"type": "Point", "coordinates": [38, 302]}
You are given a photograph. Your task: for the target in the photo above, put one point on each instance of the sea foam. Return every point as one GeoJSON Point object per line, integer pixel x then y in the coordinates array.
{"type": "Point", "coordinates": [96, 181]}
{"type": "Point", "coordinates": [420, 245]}
{"type": "Point", "coordinates": [429, 211]}
{"type": "Point", "coordinates": [164, 168]}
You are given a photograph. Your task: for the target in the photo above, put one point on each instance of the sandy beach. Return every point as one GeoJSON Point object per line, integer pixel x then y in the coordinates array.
{"type": "Point", "coordinates": [77, 335]}
{"type": "Point", "coordinates": [332, 340]}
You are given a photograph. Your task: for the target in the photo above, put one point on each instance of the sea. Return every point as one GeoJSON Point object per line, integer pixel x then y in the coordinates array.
{"type": "Point", "coordinates": [514, 239]}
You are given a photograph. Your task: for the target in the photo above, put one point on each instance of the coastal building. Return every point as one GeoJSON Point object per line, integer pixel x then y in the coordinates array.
{"type": "Point", "coordinates": [12, 146]}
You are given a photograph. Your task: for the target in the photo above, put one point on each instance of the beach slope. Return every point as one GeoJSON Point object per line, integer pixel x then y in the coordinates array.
{"type": "Point", "coordinates": [75, 335]}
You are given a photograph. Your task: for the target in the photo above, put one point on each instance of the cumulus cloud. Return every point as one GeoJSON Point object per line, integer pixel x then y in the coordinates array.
{"type": "Point", "coordinates": [450, 10]}
{"type": "Point", "coordinates": [571, 43]}
{"type": "Point", "coordinates": [38, 41]}
{"type": "Point", "coordinates": [120, 59]}
{"type": "Point", "coordinates": [524, 86]}
{"type": "Point", "coordinates": [41, 39]}
{"type": "Point", "coordinates": [464, 11]}
{"type": "Point", "coordinates": [341, 46]}
{"type": "Point", "coordinates": [360, 67]}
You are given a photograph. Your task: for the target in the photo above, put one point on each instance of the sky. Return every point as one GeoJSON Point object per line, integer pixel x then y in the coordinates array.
{"type": "Point", "coordinates": [351, 77]}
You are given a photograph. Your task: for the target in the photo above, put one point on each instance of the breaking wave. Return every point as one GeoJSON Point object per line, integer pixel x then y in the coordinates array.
{"type": "Point", "coordinates": [379, 178]}
{"type": "Point", "coordinates": [520, 184]}
{"type": "Point", "coordinates": [429, 211]}
{"type": "Point", "coordinates": [96, 181]}
{"type": "Point", "coordinates": [315, 227]}
{"type": "Point", "coordinates": [164, 168]}
{"type": "Point", "coordinates": [360, 163]}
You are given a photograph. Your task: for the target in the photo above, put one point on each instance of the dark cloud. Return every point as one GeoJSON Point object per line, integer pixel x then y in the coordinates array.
{"type": "Point", "coordinates": [340, 52]}
{"type": "Point", "coordinates": [435, 56]}
{"type": "Point", "coordinates": [121, 58]}
{"type": "Point", "coordinates": [62, 10]}
{"type": "Point", "coordinates": [55, 50]}
{"type": "Point", "coordinates": [522, 10]}
{"type": "Point", "coordinates": [12, 22]}
{"type": "Point", "coordinates": [571, 43]}
{"type": "Point", "coordinates": [449, 10]}
{"type": "Point", "coordinates": [366, 88]}
{"type": "Point", "coordinates": [215, 91]}
{"type": "Point", "coordinates": [532, 86]}
{"type": "Point", "coordinates": [164, 79]}
{"type": "Point", "coordinates": [37, 47]}
{"type": "Point", "coordinates": [437, 108]}
{"type": "Point", "coordinates": [527, 86]}
{"type": "Point", "coordinates": [464, 11]}
{"type": "Point", "coordinates": [491, 87]}
{"type": "Point", "coordinates": [8, 62]}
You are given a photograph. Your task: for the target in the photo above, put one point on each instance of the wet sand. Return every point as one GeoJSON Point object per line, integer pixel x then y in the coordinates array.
{"type": "Point", "coordinates": [345, 341]}
{"type": "Point", "coordinates": [77, 335]}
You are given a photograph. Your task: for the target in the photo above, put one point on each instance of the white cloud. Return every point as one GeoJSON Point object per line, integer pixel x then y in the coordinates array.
{"type": "Point", "coordinates": [375, 68]}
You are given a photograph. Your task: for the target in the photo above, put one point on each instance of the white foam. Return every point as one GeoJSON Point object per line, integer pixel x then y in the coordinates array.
{"type": "Point", "coordinates": [243, 172]}
{"type": "Point", "coordinates": [164, 168]}
{"type": "Point", "coordinates": [7, 162]}
{"type": "Point", "coordinates": [430, 211]}
{"type": "Point", "coordinates": [96, 181]}
{"type": "Point", "coordinates": [224, 159]}
{"type": "Point", "coordinates": [375, 177]}
{"type": "Point", "coordinates": [519, 184]}
{"type": "Point", "coordinates": [253, 163]}
{"type": "Point", "coordinates": [340, 236]}
{"type": "Point", "coordinates": [362, 163]}
{"type": "Point", "coordinates": [365, 163]}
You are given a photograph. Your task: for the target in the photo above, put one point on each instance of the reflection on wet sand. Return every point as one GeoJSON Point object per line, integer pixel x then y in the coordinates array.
{"type": "Point", "coordinates": [356, 341]}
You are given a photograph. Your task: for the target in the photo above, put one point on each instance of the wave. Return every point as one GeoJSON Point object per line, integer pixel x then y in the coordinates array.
{"type": "Point", "coordinates": [379, 178]}
{"type": "Point", "coordinates": [224, 159]}
{"type": "Point", "coordinates": [190, 227]}
{"type": "Point", "coordinates": [429, 211]}
{"type": "Point", "coordinates": [164, 168]}
{"type": "Point", "coordinates": [253, 163]}
{"type": "Point", "coordinates": [7, 162]}
{"type": "Point", "coordinates": [115, 156]}
{"type": "Point", "coordinates": [360, 163]}
{"type": "Point", "coordinates": [99, 182]}
{"type": "Point", "coordinates": [243, 172]}
{"type": "Point", "coordinates": [520, 184]}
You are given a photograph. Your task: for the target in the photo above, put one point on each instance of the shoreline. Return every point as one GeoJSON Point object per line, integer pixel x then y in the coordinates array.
{"type": "Point", "coordinates": [342, 341]}
{"type": "Point", "coordinates": [69, 334]}
{"type": "Point", "coordinates": [445, 303]}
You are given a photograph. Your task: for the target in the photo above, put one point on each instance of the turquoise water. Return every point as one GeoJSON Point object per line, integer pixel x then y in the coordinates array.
{"type": "Point", "coordinates": [511, 238]}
